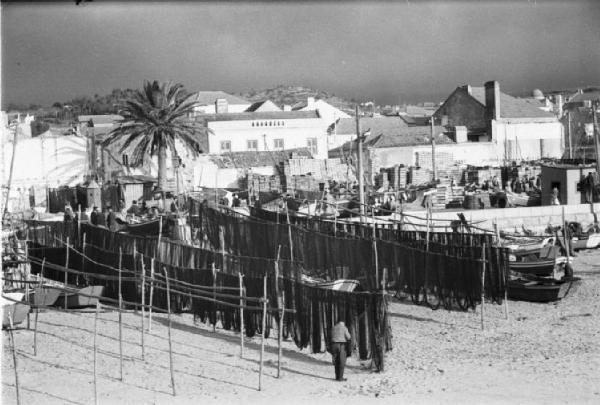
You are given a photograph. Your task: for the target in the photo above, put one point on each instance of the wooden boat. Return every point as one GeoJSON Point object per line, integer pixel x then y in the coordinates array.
{"type": "Point", "coordinates": [531, 199]}
{"type": "Point", "coordinates": [540, 267]}
{"type": "Point", "coordinates": [340, 285]}
{"type": "Point", "coordinates": [546, 290]}
{"type": "Point", "coordinates": [43, 296]}
{"type": "Point", "coordinates": [528, 246]}
{"type": "Point", "coordinates": [13, 309]}
{"type": "Point", "coordinates": [149, 227]}
{"type": "Point", "coordinates": [589, 241]}
{"type": "Point", "coordinates": [77, 300]}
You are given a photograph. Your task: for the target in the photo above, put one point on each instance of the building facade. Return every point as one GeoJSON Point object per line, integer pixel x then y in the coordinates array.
{"type": "Point", "coordinates": [519, 129]}
{"type": "Point", "coordinates": [266, 131]}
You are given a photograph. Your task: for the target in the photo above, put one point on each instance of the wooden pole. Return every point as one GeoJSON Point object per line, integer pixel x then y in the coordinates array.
{"type": "Point", "coordinates": [159, 237]}
{"type": "Point", "coordinates": [10, 176]}
{"type": "Point", "coordinates": [143, 270]}
{"type": "Point", "coordinates": [120, 317]}
{"type": "Point", "coordinates": [280, 324]}
{"type": "Point", "coordinates": [482, 283]}
{"type": "Point", "coordinates": [95, 353]}
{"type": "Point", "coordinates": [83, 253]}
{"type": "Point", "coordinates": [569, 134]}
{"type": "Point", "coordinates": [361, 189]}
{"type": "Point", "coordinates": [264, 327]}
{"type": "Point", "coordinates": [290, 235]}
{"type": "Point", "coordinates": [151, 294]}
{"type": "Point", "coordinates": [26, 268]}
{"type": "Point", "coordinates": [280, 337]}
{"type": "Point", "coordinates": [66, 273]}
{"type": "Point", "coordinates": [169, 332]}
{"type": "Point", "coordinates": [214, 283]}
{"type": "Point", "coordinates": [335, 215]}
{"type": "Point", "coordinates": [240, 277]}
{"type": "Point", "coordinates": [499, 244]}
{"type": "Point", "coordinates": [37, 309]}
{"type": "Point", "coordinates": [14, 355]}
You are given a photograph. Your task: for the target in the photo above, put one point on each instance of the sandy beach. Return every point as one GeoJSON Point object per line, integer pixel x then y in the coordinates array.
{"type": "Point", "coordinates": [543, 354]}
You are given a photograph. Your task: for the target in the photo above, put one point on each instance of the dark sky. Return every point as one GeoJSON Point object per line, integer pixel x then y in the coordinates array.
{"type": "Point", "coordinates": [386, 51]}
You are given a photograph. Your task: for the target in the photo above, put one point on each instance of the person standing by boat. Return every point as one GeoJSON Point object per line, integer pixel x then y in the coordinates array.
{"type": "Point", "coordinates": [339, 338]}
{"type": "Point", "coordinates": [111, 220]}
{"type": "Point", "coordinates": [555, 200]}
{"type": "Point", "coordinates": [589, 188]}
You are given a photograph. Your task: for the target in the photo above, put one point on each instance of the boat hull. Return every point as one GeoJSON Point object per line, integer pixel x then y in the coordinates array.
{"type": "Point", "coordinates": [43, 296]}
{"type": "Point", "coordinates": [539, 291]}
{"type": "Point", "coordinates": [537, 267]}
{"type": "Point", "coordinates": [77, 300]}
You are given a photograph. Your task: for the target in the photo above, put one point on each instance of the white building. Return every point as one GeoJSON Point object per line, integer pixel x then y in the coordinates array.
{"type": "Point", "coordinates": [267, 131]}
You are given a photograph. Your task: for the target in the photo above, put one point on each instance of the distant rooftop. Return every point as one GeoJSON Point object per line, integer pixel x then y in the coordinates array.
{"type": "Point", "coordinates": [100, 119]}
{"type": "Point", "coordinates": [250, 116]}
{"type": "Point", "coordinates": [257, 159]}
{"type": "Point", "coordinates": [210, 96]}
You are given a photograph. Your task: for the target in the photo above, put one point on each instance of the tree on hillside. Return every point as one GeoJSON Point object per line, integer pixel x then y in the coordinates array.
{"type": "Point", "coordinates": [153, 119]}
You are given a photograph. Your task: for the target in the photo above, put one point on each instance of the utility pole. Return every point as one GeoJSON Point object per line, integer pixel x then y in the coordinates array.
{"type": "Point", "coordinates": [12, 165]}
{"type": "Point", "coordinates": [569, 134]}
{"type": "Point", "coordinates": [433, 148]}
{"type": "Point", "coordinates": [359, 140]}
{"type": "Point", "coordinates": [595, 106]}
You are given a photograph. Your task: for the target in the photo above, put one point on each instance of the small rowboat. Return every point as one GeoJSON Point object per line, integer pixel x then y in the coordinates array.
{"type": "Point", "coordinates": [542, 267]}
{"type": "Point", "coordinates": [43, 296]}
{"type": "Point", "coordinates": [521, 289]}
{"type": "Point", "coordinates": [85, 297]}
{"type": "Point", "coordinates": [13, 309]}
{"type": "Point", "coordinates": [150, 227]}
{"type": "Point", "coordinates": [340, 285]}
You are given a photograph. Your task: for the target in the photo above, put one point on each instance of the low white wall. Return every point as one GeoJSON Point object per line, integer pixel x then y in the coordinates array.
{"type": "Point", "coordinates": [532, 218]}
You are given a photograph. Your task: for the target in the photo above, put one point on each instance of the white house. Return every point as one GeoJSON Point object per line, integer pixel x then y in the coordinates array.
{"type": "Point", "coordinates": [266, 131]}
{"type": "Point", "coordinates": [518, 129]}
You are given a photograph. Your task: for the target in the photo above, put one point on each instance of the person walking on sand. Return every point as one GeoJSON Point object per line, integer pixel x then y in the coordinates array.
{"type": "Point", "coordinates": [339, 338]}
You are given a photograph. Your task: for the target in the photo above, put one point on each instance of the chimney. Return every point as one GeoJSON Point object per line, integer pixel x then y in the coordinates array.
{"type": "Point", "coordinates": [461, 134]}
{"type": "Point", "coordinates": [492, 100]}
{"type": "Point", "coordinates": [467, 88]}
{"type": "Point", "coordinates": [221, 106]}
{"type": "Point", "coordinates": [287, 107]}
{"type": "Point", "coordinates": [310, 103]}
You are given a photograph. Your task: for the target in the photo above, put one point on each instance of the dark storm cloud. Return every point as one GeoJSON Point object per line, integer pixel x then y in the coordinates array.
{"type": "Point", "coordinates": [382, 51]}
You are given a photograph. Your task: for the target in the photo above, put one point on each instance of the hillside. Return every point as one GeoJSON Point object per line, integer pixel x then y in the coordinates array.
{"type": "Point", "coordinates": [291, 95]}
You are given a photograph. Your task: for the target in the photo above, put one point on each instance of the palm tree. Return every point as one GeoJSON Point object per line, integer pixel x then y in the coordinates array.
{"type": "Point", "coordinates": [153, 119]}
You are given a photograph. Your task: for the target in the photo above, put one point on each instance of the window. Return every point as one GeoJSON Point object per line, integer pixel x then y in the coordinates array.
{"type": "Point", "coordinates": [278, 144]}
{"type": "Point", "coordinates": [252, 144]}
{"type": "Point", "coordinates": [312, 145]}
{"type": "Point", "coordinates": [225, 146]}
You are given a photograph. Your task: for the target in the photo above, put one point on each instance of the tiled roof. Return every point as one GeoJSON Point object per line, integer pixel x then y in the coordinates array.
{"type": "Point", "coordinates": [512, 107]}
{"type": "Point", "coordinates": [100, 119]}
{"type": "Point", "coordinates": [378, 125]}
{"type": "Point", "coordinates": [263, 106]}
{"type": "Point", "coordinates": [389, 134]}
{"type": "Point", "coordinates": [249, 116]}
{"type": "Point", "coordinates": [256, 159]}
{"type": "Point", "coordinates": [209, 97]}
{"type": "Point", "coordinates": [588, 95]}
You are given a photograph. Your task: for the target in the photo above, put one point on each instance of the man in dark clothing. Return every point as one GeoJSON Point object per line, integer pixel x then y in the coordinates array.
{"type": "Point", "coordinates": [94, 216]}
{"type": "Point", "coordinates": [102, 219]}
{"type": "Point", "coordinates": [339, 338]}
{"type": "Point", "coordinates": [111, 220]}
{"type": "Point", "coordinates": [589, 188]}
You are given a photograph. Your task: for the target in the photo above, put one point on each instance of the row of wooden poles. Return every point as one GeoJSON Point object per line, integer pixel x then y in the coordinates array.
{"type": "Point", "coordinates": [143, 305]}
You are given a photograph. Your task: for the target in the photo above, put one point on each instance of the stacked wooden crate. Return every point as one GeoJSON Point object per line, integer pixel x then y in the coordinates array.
{"type": "Point", "coordinates": [419, 176]}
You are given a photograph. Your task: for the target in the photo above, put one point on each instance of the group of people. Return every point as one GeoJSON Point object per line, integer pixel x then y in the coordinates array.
{"type": "Point", "coordinates": [524, 184]}
{"type": "Point", "coordinates": [109, 218]}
